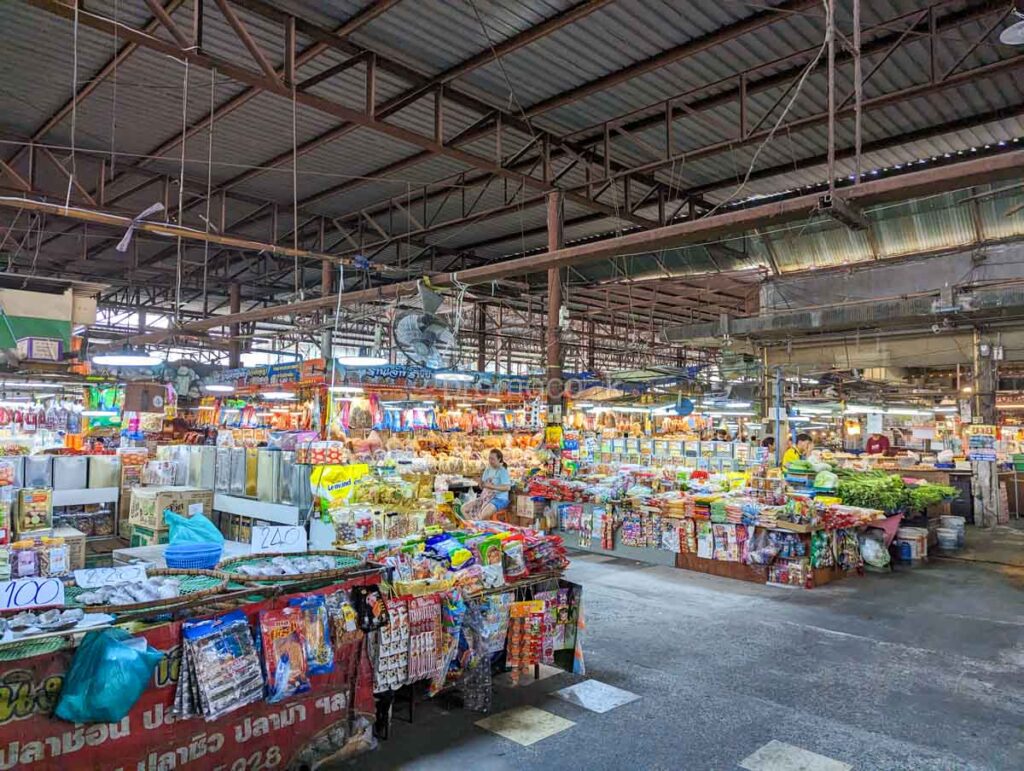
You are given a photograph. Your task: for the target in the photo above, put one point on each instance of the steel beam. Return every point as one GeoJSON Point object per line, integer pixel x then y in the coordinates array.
{"type": "Point", "coordinates": [910, 185]}
{"type": "Point", "coordinates": [686, 50]}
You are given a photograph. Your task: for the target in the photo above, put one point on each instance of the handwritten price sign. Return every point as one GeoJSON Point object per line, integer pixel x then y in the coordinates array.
{"type": "Point", "coordinates": [97, 577]}
{"type": "Point", "coordinates": [23, 593]}
{"type": "Point", "coordinates": [278, 538]}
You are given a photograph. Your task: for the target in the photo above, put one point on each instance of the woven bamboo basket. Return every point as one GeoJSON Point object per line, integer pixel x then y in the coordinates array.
{"type": "Point", "coordinates": [196, 584]}
{"type": "Point", "coordinates": [345, 564]}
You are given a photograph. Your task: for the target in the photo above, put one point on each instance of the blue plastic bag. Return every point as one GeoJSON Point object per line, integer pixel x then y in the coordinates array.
{"type": "Point", "coordinates": [108, 674]}
{"type": "Point", "coordinates": [194, 529]}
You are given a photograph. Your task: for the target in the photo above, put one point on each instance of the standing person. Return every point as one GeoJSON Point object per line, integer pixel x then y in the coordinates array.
{"type": "Point", "coordinates": [799, 451]}
{"type": "Point", "coordinates": [496, 483]}
{"type": "Point", "coordinates": [877, 444]}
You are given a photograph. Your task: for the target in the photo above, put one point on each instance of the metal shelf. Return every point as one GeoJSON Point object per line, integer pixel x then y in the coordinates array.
{"type": "Point", "coordinates": [85, 496]}
{"type": "Point", "coordinates": [281, 513]}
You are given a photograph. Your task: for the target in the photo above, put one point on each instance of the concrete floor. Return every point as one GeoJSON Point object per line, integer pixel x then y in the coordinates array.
{"type": "Point", "coordinates": [919, 669]}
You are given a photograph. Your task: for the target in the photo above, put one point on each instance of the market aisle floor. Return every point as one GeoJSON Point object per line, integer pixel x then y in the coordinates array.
{"type": "Point", "coordinates": [922, 669]}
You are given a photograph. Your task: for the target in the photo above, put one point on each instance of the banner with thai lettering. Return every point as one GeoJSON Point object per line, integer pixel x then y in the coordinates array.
{"type": "Point", "coordinates": [305, 731]}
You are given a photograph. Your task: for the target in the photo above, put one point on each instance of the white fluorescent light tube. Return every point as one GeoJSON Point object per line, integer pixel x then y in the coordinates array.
{"type": "Point", "coordinates": [906, 411]}
{"type": "Point", "coordinates": [862, 409]}
{"type": "Point", "coordinates": [343, 389]}
{"type": "Point", "coordinates": [278, 395]}
{"type": "Point", "coordinates": [947, 409]}
{"type": "Point", "coordinates": [453, 377]}
{"type": "Point", "coordinates": [737, 405]}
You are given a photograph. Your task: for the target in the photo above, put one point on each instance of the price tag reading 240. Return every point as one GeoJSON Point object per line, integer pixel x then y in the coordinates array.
{"type": "Point", "coordinates": [23, 593]}
{"type": "Point", "coordinates": [278, 538]}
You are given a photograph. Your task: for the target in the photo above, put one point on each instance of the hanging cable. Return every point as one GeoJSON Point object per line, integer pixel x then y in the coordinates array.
{"type": "Point", "coordinates": [796, 92]}
{"type": "Point", "coordinates": [209, 183]}
{"type": "Point", "coordinates": [181, 196]}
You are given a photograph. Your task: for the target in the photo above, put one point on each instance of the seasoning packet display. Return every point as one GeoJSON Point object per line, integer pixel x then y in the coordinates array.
{"type": "Point", "coordinates": [371, 609]}
{"type": "Point", "coordinates": [283, 644]}
{"type": "Point", "coordinates": [343, 619]}
{"type": "Point", "coordinates": [317, 631]}
{"type": "Point", "coordinates": [222, 670]}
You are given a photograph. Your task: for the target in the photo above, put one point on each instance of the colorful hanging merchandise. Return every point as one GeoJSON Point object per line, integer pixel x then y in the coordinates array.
{"type": "Point", "coordinates": [283, 643]}
{"type": "Point", "coordinates": [525, 637]}
{"type": "Point", "coordinates": [220, 669]}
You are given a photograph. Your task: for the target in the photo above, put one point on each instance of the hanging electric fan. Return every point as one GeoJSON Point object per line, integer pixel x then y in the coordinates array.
{"type": "Point", "coordinates": [426, 338]}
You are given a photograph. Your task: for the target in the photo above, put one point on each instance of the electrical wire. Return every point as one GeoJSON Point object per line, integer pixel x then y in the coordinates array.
{"type": "Point", "coordinates": [181, 195]}
{"type": "Point", "coordinates": [209, 180]}
{"type": "Point", "coordinates": [782, 116]}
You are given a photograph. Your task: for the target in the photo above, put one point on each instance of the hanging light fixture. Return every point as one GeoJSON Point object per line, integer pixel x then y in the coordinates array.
{"type": "Point", "coordinates": [218, 388]}
{"type": "Point", "coordinates": [1014, 34]}
{"type": "Point", "coordinates": [454, 377]}
{"type": "Point", "coordinates": [278, 396]}
{"type": "Point", "coordinates": [365, 358]}
{"type": "Point", "coordinates": [126, 357]}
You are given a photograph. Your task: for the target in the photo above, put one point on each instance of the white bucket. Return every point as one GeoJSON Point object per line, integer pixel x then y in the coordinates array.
{"type": "Point", "coordinates": [959, 524]}
{"type": "Point", "coordinates": [948, 539]}
{"type": "Point", "coordinates": [912, 543]}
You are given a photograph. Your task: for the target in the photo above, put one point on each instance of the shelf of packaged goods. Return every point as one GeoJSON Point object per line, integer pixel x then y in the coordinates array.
{"type": "Point", "coordinates": [85, 496]}
{"type": "Point", "coordinates": [279, 513]}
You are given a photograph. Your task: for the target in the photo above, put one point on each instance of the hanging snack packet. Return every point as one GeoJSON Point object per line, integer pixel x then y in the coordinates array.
{"type": "Point", "coordinates": [370, 608]}
{"type": "Point", "coordinates": [284, 653]}
{"type": "Point", "coordinates": [317, 632]}
{"type": "Point", "coordinates": [515, 557]}
{"type": "Point", "coordinates": [343, 619]}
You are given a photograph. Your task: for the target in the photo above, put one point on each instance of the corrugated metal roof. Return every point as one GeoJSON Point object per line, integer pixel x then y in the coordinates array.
{"type": "Point", "coordinates": [142, 109]}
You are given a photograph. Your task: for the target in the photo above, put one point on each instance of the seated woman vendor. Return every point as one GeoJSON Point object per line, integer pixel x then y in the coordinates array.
{"type": "Point", "coordinates": [496, 484]}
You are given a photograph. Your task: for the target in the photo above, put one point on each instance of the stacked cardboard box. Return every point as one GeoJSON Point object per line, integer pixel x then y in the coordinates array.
{"type": "Point", "coordinates": [148, 504]}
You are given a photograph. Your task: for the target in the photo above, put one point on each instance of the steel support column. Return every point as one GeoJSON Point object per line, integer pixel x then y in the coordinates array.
{"type": "Point", "coordinates": [235, 306]}
{"type": "Point", "coordinates": [556, 240]}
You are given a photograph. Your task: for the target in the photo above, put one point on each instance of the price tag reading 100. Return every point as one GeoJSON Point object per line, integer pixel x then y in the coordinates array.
{"type": "Point", "coordinates": [25, 593]}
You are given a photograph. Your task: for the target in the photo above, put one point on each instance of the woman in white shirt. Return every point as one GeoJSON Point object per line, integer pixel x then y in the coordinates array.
{"type": "Point", "coordinates": [496, 483]}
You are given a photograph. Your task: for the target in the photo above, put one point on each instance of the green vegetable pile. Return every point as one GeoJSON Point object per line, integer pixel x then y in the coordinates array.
{"type": "Point", "coordinates": [889, 493]}
{"type": "Point", "coordinates": [874, 490]}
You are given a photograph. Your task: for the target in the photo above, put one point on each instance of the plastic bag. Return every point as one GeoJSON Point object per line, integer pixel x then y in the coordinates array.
{"type": "Point", "coordinates": [872, 548]}
{"type": "Point", "coordinates": [826, 480]}
{"type": "Point", "coordinates": [108, 675]}
{"type": "Point", "coordinates": [194, 529]}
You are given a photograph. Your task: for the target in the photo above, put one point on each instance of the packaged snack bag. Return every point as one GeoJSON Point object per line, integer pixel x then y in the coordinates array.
{"type": "Point", "coordinates": [317, 631]}
{"type": "Point", "coordinates": [283, 645]}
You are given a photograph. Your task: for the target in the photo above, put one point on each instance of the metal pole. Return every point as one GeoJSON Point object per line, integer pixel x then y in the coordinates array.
{"type": "Point", "coordinates": [326, 337]}
{"type": "Point", "coordinates": [235, 306]}
{"type": "Point", "coordinates": [778, 411]}
{"type": "Point", "coordinates": [857, 92]}
{"type": "Point", "coordinates": [830, 37]}
{"type": "Point", "coordinates": [553, 345]}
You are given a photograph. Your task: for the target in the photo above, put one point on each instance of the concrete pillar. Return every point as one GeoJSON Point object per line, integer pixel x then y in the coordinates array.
{"type": "Point", "coordinates": [234, 306]}
{"type": "Point", "coordinates": [984, 474]}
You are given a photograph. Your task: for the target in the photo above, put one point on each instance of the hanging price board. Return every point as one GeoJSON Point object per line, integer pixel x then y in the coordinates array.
{"type": "Point", "coordinates": [278, 538]}
{"type": "Point", "coordinates": [24, 593]}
